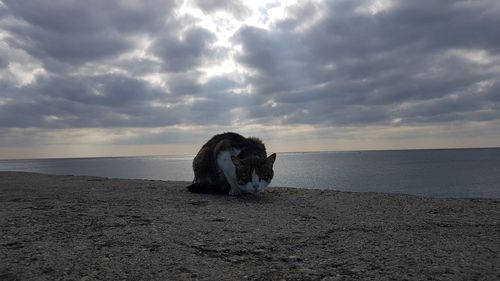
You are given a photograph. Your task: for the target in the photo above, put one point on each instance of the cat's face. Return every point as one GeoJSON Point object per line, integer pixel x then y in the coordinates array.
{"type": "Point", "coordinates": [254, 175]}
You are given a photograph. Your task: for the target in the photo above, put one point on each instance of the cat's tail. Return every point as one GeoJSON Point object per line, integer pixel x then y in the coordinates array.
{"type": "Point", "coordinates": [202, 187]}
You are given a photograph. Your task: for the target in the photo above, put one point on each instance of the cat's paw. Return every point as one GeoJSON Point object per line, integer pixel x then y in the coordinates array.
{"type": "Point", "coordinates": [235, 192]}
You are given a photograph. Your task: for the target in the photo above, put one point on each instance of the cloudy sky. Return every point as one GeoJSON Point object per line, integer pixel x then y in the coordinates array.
{"type": "Point", "coordinates": [102, 78]}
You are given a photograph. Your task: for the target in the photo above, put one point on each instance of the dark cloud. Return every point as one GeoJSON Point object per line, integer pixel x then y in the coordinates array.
{"type": "Point", "coordinates": [81, 38]}
{"type": "Point", "coordinates": [353, 68]}
{"type": "Point", "coordinates": [106, 101]}
{"type": "Point", "coordinates": [4, 12]}
{"type": "Point", "coordinates": [66, 17]}
{"type": "Point", "coordinates": [326, 64]}
{"type": "Point", "coordinates": [186, 84]}
{"type": "Point", "coordinates": [75, 32]}
{"type": "Point", "coordinates": [63, 102]}
{"type": "Point", "coordinates": [138, 66]}
{"type": "Point", "coordinates": [4, 60]}
{"type": "Point", "coordinates": [235, 8]}
{"type": "Point", "coordinates": [185, 51]}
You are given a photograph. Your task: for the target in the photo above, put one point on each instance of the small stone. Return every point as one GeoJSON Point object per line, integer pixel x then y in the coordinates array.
{"type": "Point", "coordinates": [198, 202]}
{"type": "Point", "coordinates": [259, 251]}
{"type": "Point", "coordinates": [291, 259]}
{"type": "Point", "coordinates": [335, 278]}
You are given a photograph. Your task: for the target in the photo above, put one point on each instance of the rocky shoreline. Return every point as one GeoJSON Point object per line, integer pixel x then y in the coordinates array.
{"type": "Point", "coordinates": [90, 228]}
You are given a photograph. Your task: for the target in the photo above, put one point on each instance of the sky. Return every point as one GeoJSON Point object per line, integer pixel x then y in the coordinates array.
{"type": "Point", "coordinates": [160, 77]}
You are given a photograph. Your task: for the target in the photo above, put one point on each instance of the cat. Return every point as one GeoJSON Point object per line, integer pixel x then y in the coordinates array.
{"type": "Point", "coordinates": [232, 164]}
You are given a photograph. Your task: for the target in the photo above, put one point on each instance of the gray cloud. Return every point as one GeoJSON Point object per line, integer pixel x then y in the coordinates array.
{"type": "Point", "coordinates": [138, 67]}
{"type": "Point", "coordinates": [183, 52]}
{"type": "Point", "coordinates": [4, 61]}
{"type": "Point", "coordinates": [353, 68]}
{"type": "Point", "coordinates": [75, 32]}
{"type": "Point", "coordinates": [106, 101]}
{"type": "Point", "coordinates": [327, 64]}
{"type": "Point", "coordinates": [235, 8]}
{"type": "Point", "coordinates": [64, 102]}
{"type": "Point", "coordinates": [4, 57]}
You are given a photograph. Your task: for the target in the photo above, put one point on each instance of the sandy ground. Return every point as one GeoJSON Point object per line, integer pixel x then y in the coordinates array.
{"type": "Point", "coordinates": [88, 228]}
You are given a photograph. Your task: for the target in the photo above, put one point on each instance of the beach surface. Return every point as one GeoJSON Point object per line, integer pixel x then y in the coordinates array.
{"type": "Point", "coordinates": [91, 228]}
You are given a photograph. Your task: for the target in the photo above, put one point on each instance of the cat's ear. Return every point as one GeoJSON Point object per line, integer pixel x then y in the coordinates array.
{"type": "Point", "coordinates": [236, 161]}
{"type": "Point", "coordinates": [270, 160]}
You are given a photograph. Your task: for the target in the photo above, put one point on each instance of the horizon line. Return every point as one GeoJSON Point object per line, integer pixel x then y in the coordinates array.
{"type": "Point", "coordinates": [280, 152]}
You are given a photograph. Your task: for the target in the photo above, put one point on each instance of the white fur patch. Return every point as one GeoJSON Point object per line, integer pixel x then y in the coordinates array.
{"type": "Point", "coordinates": [227, 166]}
{"type": "Point", "coordinates": [256, 185]}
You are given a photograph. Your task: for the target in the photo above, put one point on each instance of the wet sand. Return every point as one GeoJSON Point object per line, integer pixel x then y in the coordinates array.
{"type": "Point", "coordinates": [90, 228]}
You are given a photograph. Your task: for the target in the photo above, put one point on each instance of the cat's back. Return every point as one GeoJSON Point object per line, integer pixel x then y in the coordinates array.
{"type": "Point", "coordinates": [230, 137]}
{"type": "Point", "coordinates": [246, 147]}
{"type": "Point", "coordinates": [204, 163]}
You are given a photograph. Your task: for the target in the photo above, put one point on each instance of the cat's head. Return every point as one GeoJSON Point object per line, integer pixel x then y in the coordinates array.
{"type": "Point", "coordinates": [253, 175]}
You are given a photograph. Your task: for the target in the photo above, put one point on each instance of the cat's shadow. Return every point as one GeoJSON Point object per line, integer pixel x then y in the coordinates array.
{"type": "Point", "coordinates": [263, 198]}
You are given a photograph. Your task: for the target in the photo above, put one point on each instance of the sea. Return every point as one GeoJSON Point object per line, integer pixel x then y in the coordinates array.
{"type": "Point", "coordinates": [440, 173]}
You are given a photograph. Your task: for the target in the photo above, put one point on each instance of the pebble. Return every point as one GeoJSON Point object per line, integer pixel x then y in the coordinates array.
{"type": "Point", "coordinates": [259, 251]}
{"type": "Point", "coordinates": [291, 259]}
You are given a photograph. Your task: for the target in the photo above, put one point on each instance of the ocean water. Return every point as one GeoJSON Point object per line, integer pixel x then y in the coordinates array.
{"type": "Point", "coordinates": [457, 173]}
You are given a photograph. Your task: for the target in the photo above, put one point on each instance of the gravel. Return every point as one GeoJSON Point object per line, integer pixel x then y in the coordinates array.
{"type": "Point", "coordinates": [90, 228]}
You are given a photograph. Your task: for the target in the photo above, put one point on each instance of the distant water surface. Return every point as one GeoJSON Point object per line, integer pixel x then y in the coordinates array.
{"type": "Point", "coordinates": [434, 173]}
